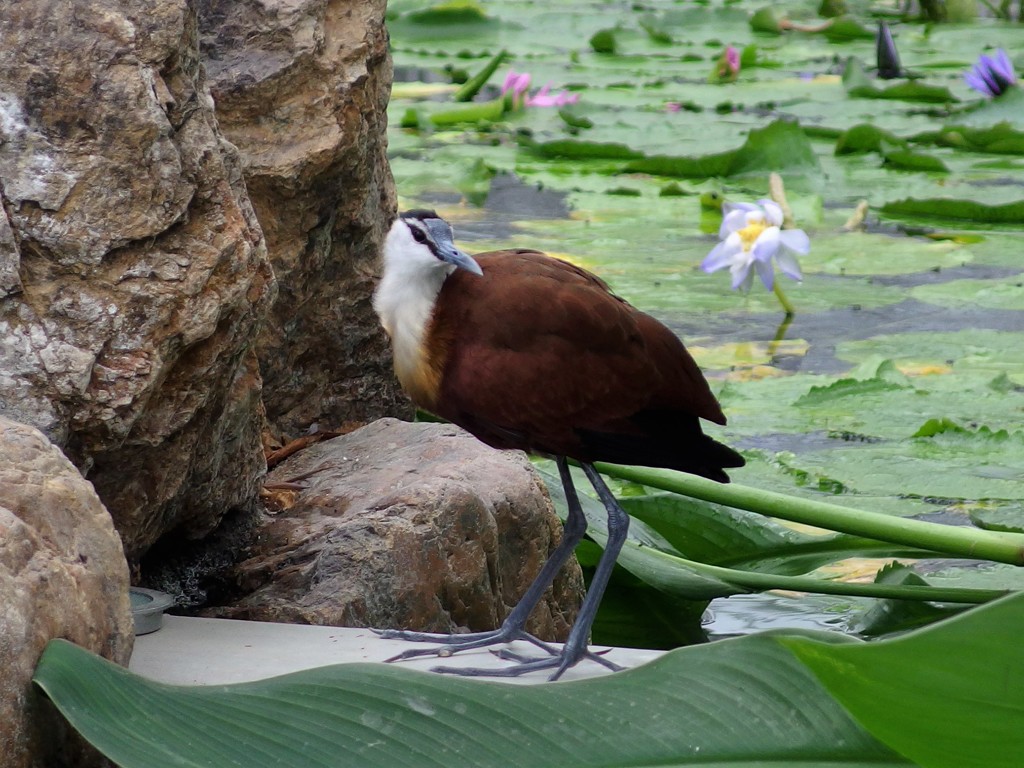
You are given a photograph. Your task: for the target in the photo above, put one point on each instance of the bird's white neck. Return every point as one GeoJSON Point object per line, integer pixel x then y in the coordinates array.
{"type": "Point", "coordinates": [404, 301]}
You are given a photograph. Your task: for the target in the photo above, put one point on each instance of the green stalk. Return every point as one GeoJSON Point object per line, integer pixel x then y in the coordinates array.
{"type": "Point", "coordinates": [786, 306]}
{"type": "Point", "coordinates": [765, 581]}
{"type": "Point", "coordinates": [946, 539]}
{"type": "Point", "coordinates": [472, 86]}
{"type": "Point", "coordinates": [780, 333]}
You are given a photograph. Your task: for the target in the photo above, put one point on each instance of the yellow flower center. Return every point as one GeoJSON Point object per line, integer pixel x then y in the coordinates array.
{"type": "Point", "coordinates": [750, 233]}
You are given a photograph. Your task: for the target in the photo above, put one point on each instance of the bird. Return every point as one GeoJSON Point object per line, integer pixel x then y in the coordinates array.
{"type": "Point", "coordinates": [530, 352]}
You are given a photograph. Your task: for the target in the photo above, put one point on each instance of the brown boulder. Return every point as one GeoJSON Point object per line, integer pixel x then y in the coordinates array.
{"type": "Point", "coordinates": [301, 88]}
{"type": "Point", "coordinates": [133, 273]}
{"type": "Point", "coordinates": [62, 574]}
{"type": "Point", "coordinates": [415, 526]}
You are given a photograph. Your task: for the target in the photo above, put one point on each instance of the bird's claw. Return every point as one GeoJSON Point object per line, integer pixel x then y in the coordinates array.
{"type": "Point", "coordinates": [560, 662]}
{"type": "Point", "coordinates": [448, 645]}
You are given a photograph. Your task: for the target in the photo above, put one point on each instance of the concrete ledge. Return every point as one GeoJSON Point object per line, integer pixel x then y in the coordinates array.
{"type": "Point", "coordinates": [196, 651]}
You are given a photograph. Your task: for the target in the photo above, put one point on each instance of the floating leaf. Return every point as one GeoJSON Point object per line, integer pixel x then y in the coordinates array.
{"type": "Point", "coordinates": [1007, 108]}
{"type": "Point", "coordinates": [937, 427]}
{"type": "Point", "coordinates": [962, 210]}
{"type": "Point", "coordinates": [780, 147]}
{"type": "Point", "coordinates": [865, 137]}
{"type": "Point", "coordinates": [707, 166]}
{"type": "Point", "coordinates": [888, 616]}
{"type": "Point", "coordinates": [578, 149]}
{"type": "Point", "coordinates": [652, 26]}
{"type": "Point", "coordinates": [603, 41]}
{"type": "Point", "coordinates": [906, 160]}
{"type": "Point", "coordinates": [847, 388]}
{"type": "Point", "coordinates": [1008, 518]}
{"type": "Point", "coordinates": [765, 20]}
{"type": "Point", "coordinates": [859, 85]}
{"type": "Point", "coordinates": [1006, 294]}
{"type": "Point", "coordinates": [451, 12]}
{"type": "Point", "coordinates": [846, 28]}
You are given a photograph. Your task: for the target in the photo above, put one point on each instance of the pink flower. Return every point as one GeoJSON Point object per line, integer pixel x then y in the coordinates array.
{"type": "Point", "coordinates": [517, 84]}
{"type": "Point", "coordinates": [727, 66]}
{"type": "Point", "coordinates": [544, 99]}
{"type": "Point", "coordinates": [732, 59]}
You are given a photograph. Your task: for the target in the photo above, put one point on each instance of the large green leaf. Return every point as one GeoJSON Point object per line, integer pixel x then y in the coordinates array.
{"type": "Point", "coordinates": [741, 703]}
{"type": "Point", "coordinates": [738, 703]}
{"type": "Point", "coordinates": [711, 533]}
{"type": "Point", "coordinates": [954, 691]}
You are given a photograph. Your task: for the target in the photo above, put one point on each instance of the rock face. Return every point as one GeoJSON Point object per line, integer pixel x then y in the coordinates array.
{"type": "Point", "coordinates": [301, 88]}
{"type": "Point", "coordinates": [415, 526]}
{"type": "Point", "coordinates": [133, 273]}
{"type": "Point", "coordinates": [62, 574]}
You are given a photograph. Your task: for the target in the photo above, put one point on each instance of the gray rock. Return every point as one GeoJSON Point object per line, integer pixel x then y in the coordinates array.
{"type": "Point", "coordinates": [301, 88]}
{"type": "Point", "coordinates": [62, 574]}
{"type": "Point", "coordinates": [133, 270]}
{"type": "Point", "coordinates": [415, 526]}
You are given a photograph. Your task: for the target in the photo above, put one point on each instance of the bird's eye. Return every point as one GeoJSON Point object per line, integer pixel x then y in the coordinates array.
{"type": "Point", "coordinates": [419, 236]}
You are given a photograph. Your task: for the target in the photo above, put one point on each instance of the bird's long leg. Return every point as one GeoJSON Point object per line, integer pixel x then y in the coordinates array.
{"type": "Point", "coordinates": [575, 647]}
{"type": "Point", "coordinates": [513, 626]}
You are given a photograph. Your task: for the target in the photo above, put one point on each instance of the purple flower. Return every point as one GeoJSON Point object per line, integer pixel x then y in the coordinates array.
{"type": "Point", "coordinates": [751, 237]}
{"type": "Point", "coordinates": [517, 83]}
{"type": "Point", "coordinates": [992, 75]}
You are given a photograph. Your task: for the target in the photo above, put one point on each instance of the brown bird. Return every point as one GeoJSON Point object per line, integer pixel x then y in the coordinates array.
{"type": "Point", "coordinates": [529, 352]}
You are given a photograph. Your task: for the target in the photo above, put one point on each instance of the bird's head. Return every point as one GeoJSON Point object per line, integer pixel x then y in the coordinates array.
{"type": "Point", "coordinates": [421, 240]}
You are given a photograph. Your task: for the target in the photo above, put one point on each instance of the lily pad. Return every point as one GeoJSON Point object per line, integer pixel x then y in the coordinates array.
{"type": "Point", "coordinates": [1007, 294]}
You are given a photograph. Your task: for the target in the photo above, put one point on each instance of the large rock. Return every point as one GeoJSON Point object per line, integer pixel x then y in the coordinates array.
{"type": "Point", "coordinates": [133, 273]}
{"type": "Point", "coordinates": [62, 574]}
{"type": "Point", "coordinates": [301, 88]}
{"type": "Point", "coordinates": [416, 526]}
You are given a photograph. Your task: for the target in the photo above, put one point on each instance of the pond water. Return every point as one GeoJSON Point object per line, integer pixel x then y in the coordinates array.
{"type": "Point", "coordinates": [915, 317]}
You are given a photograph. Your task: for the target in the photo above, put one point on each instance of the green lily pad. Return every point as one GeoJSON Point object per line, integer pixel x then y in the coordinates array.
{"type": "Point", "coordinates": [957, 210]}
{"type": "Point", "coordinates": [1006, 294]}
{"type": "Point", "coordinates": [1008, 517]}
{"type": "Point", "coordinates": [859, 253]}
{"type": "Point", "coordinates": [866, 138]}
{"type": "Point", "coordinates": [906, 160]}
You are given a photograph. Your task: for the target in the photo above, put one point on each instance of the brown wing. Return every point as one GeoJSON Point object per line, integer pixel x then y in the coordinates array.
{"type": "Point", "coordinates": [539, 355]}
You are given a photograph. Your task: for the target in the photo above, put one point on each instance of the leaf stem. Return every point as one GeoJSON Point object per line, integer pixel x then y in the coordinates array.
{"type": "Point", "coordinates": [777, 289]}
{"type": "Point", "coordinates": [946, 539]}
{"type": "Point", "coordinates": [763, 581]}
{"type": "Point", "coordinates": [780, 335]}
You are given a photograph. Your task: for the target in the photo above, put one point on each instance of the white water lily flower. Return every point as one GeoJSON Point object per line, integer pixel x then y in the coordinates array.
{"type": "Point", "coordinates": [751, 238]}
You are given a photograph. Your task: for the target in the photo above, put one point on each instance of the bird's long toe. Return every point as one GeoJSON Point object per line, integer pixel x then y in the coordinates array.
{"type": "Point", "coordinates": [417, 637]}
{"type": "Point", "coordinates": [571, 659]}
{"type": "Point", "coordinates": [560, 661]}
{"type": "Point", "coordinates": [446, 645]}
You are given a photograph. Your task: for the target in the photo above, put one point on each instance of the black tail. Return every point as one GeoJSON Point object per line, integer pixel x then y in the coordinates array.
{"type": "Point", "coordinates": [668, 440]}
